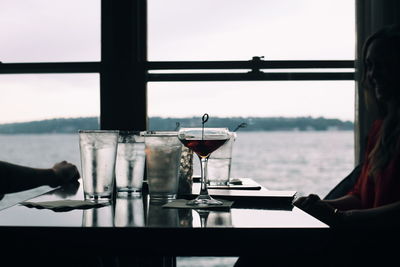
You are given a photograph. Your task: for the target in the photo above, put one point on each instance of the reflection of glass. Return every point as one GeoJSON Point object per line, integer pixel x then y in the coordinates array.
{"type": "Point", "coordinates": [203, 141]}
{"type": "Point", "coordinates": [161, 217]}
{"type": "Point", "coordinates": [129, 211]}
{"type": "Point", "coordinates": [219, 219]}
{"type": "Point", "coordinates": [98, 217]}
{"type": "Point", "coordinates": [185, 217]}
{"type": "Point", "coordinates": [203, 217]}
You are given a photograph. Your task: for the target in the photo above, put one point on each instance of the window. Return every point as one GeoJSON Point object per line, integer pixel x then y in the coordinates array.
{"type": "Point", "coordinates": [49, 31]}
{"type": "Point", "coordinates": [47, 71]}
{"type": "Point", "coordinates": [200, 59]}
{"type": "Point", "coordinates": [182, 30]}
{"type": "Point", "coordinates": [203, 56]}
{"type": "Point", "coordinates": [31, 97]}
{"type": "Point", "coordinates": [261, 99]}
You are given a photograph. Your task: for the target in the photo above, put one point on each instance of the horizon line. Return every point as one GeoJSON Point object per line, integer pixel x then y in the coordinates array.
{"type": "Point", "coordinates": [184, 117]}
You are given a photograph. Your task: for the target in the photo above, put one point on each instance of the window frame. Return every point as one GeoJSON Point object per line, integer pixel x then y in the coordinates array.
{"type": "Point", "coordinates": [124, 69]}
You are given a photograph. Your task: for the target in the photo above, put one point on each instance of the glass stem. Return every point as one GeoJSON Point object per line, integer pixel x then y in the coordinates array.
{"type": "Point", "coordinates": [203, 165]}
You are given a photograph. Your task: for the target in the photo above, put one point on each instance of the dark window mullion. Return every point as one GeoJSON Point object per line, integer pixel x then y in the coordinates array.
{"type": "Point", "coordinates": [262, 76]}
{"type": "Point", "coordinates": [123, 93]}
{"type": "Point", "coordinates": [256, 65]}
{"type": "Point", "coordinates": [260, 64]}
{"type": "Point", "coordinates": [56, 67]}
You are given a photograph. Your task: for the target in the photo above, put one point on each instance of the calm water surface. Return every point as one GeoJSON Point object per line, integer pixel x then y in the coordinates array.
{"type": "Point", "coordinates": [302, 161]}
{"type": "Point", "coordinates": [308, 162]}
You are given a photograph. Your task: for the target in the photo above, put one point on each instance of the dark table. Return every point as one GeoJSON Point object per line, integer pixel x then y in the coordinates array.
{"type": "Point", "coordinates": [136, 226]}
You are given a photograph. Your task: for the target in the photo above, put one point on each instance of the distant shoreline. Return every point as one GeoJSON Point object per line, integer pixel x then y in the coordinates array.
{"type": "Point", "coordinates": [261, 131]}
{"type": "Point", "coordinates": [254, 124]}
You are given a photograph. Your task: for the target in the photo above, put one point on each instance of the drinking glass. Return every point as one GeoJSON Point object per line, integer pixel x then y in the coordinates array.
{"type": "Point", "coordinates": [129, 168]}
{"type": "Point", "coordinates": [98, 153]}
{"type": "Point", "coordinates": [203, 141]}
{"type": "Point", "coordinates": [219, 163]}
{"type": "Point", "coordinates": [163, 154]}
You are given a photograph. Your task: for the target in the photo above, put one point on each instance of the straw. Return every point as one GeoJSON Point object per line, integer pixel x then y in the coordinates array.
{"type": "Point", "coordinates": [204, 119]}
{"type": "Point", "coordinates": [242, 125]}
{"type": "Point", "coordinates": [178, 124]}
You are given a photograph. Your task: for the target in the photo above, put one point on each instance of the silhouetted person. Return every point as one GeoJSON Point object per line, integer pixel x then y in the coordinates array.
{"type": "Point", "coordinates": [373, 201]}
{"type": "Point", "coordinates": [375, 198]}
{"type": "Point", "coordinates": [14, 178]}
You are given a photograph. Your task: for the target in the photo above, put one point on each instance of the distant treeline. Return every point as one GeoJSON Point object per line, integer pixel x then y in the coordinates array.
{"type": "Point", "coordinates": [50, 126]}
{"type": "Point", "coordinates": [158, 123]}
{"type": "Point", "coordinates": [256, 123]}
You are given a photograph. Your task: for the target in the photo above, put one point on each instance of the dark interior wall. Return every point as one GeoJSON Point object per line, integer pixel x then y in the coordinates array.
{"type": "Point", "coordinates": [371, 15]}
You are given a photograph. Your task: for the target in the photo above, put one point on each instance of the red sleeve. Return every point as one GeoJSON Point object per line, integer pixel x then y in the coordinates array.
{"type": "Point", "coordinates": [372, 138]}
{"type": "Point", "coordinates": [356, 188]}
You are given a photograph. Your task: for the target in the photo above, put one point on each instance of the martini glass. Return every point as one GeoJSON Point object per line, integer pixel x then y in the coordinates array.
{"type": "Point", "coordinates": [203, 141]}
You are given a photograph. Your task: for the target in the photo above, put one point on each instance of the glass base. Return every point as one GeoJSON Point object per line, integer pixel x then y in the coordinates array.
{"type": "Point", "coordinates": [218, 182]}
{"type": "Point", "coordinates": [204, 200]}
{"type": "Point", "coordinates": [162, 197]}
{"type": "Point", "coordinates": [98, 197]}
{"type": "Point", "coordinates": [130, 191]}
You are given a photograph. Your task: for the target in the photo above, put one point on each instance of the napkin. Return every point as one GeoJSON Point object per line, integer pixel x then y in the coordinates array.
{"type": "Point", "coordinates": [65, 205]}
{"type": "Point", "coordinates": [181, 204]}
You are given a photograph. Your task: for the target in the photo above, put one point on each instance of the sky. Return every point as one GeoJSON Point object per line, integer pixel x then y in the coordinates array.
{"type": "Point", "coordinates": [69, 30]}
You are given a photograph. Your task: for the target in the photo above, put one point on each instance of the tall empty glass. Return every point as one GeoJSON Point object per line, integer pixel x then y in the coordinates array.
{"type": "Point", "coordinates": [163, 154]}
{"type": "Point", "coordinates": [129, 168]}
{"type": "Point", "coordinates": [98, 153]}
{"type": "Point", "coordinates": [219, 163]}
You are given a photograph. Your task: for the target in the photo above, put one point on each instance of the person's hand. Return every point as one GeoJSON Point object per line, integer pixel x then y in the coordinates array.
{"type": "Point", "coordinates": [316, 207]}
{"type": "Point", "coordinates": [67, 190]}
{"type": "Point", "coordinates": [64, 173]}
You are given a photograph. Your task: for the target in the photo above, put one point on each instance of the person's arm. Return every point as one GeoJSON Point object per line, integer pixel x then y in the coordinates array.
{"type": "Point", "coordinates": [386, 215]}
{"type": "Point", "coordinates": [14, 178]}
{"type": "Point", "coordinates": [347, 202]}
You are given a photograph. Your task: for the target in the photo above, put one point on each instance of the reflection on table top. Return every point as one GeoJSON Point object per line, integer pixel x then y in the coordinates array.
{"type": "Point", "coordinates": [138, 211]}
{"type": "Point", "coordinates": [136, 226]}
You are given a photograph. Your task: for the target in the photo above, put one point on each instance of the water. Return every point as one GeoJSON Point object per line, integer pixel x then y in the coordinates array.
{"type": "Point", "coordinates": [218, 167]}
{"type": "Point", "coordinates": [308, 162]}
{"type": "Point", "coordinates": [303, 161]}
{"type": "Point", "coordinates": [218, 171]}
{"type": "Point", "coordinates": [163, 152]}
{"type": "Point", "coordinates": [129, 169]}
{"type": "Point", "coordinates": [98, 154]}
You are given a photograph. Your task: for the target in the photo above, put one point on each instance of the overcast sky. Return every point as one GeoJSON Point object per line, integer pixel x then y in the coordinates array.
{"type": "Point", "coordinates": [69, 30]}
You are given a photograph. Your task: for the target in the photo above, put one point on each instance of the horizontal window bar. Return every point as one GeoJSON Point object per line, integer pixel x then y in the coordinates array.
{"type": "Point", "coordinates": [250, 64]}
{"type": "Point", "coordinates": [262, 76]}
{"type": "Point", "coordinates": [58, 67]}
{"type": "Point", "coordinates": [95, 67]}
{"type": "Point", "coordinates": [198, 71]}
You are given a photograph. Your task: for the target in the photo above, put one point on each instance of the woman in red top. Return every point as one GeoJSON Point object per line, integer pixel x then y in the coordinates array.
{"type": "Point", "coordinates": [375, 198]}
